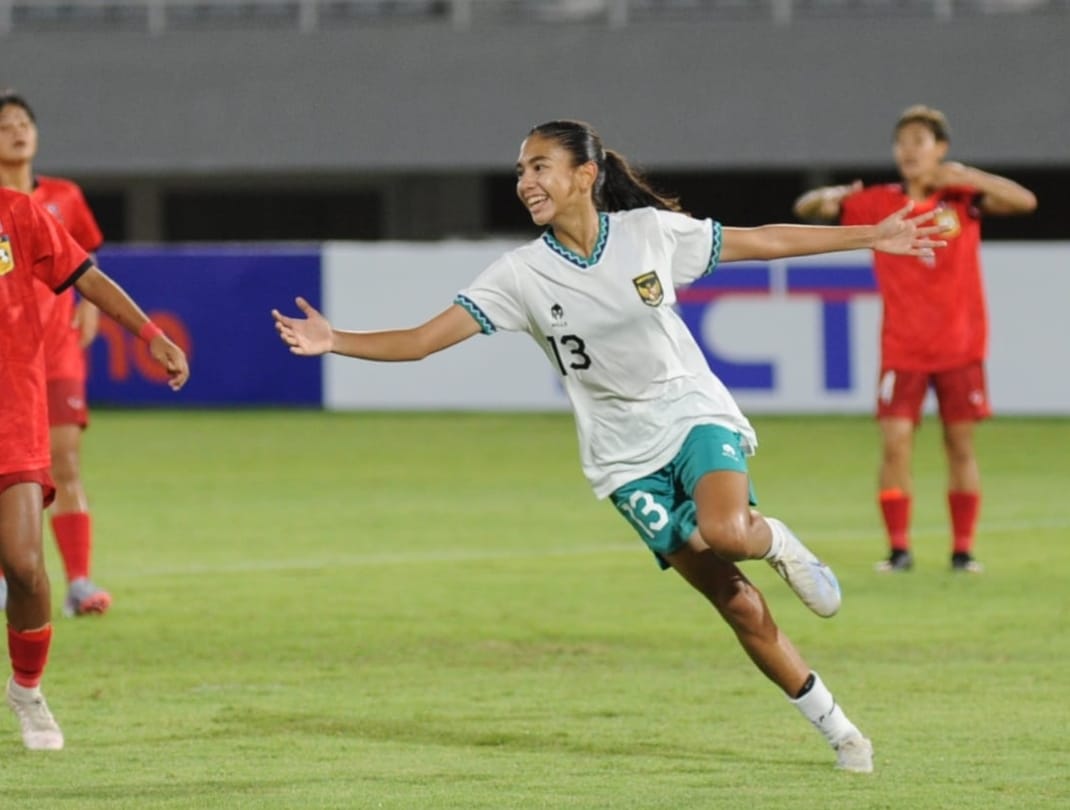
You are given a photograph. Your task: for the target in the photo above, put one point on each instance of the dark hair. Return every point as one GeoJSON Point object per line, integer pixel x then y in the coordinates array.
{"type": "Point", "coordinates": [9, 96]}
{"type": "Point", "coordinates": [935, 120]}
{"type": "Point", "coordinates": [618, 187]}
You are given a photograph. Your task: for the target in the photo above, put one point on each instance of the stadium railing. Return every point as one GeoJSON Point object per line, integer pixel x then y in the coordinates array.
{"type": "Point", "coordinates": [159, 16]}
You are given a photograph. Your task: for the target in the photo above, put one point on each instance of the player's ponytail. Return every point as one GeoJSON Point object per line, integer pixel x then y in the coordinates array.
{"type": "Point", "coordinates": [623, 188]}
{"type": "Point", "coordinates": [619, 187]}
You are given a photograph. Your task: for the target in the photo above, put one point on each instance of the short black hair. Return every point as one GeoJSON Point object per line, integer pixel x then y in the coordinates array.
{"type": "Point", "coordinates": [10, 96]}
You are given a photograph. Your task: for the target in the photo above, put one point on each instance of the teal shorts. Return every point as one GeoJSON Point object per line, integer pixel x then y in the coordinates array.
{"type": "Point", "coordinates": [660, 506]}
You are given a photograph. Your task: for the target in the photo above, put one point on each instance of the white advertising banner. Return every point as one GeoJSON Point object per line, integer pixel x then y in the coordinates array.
{"type": "Point", "coordinates": [798, 336]}
{"type": "Point", "coordinates": [388, 285]}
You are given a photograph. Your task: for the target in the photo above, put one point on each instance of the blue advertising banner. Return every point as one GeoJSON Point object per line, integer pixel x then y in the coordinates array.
{"type": "Point", "coordinates": [216, 303]}
{"type": "Point", "coordinates": [835, 286]}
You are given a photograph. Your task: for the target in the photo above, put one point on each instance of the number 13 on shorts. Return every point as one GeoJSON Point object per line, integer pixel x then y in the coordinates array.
{"type": "Point", "coordinates": [645, 513]}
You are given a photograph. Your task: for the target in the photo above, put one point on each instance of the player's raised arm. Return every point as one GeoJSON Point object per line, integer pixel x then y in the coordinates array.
{"type": "Point", "coordinates": [823, 204]}
{"type": "Point", "coordinates": [1000, 196]}
{"type": "Point", "coordinates": [313, 335]}
{"type": "Point", "coordinates": [114, 301]}
{"type": "Point", "coordinates": [897, 233]}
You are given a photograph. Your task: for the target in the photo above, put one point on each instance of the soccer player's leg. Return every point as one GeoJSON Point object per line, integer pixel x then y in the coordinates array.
{"type": "Point", "coordinates": [713, 469]}
{"type": "Point", "coordinates": [745, 610]}
{"type": "Point", "coordinates": [899, 402]}
{"type": "Point", "coordinates": [29, 631]}
{"type": "Point", "coordinates": [71, 521]}
{"type": "Point", "coordinates": [963, 397]}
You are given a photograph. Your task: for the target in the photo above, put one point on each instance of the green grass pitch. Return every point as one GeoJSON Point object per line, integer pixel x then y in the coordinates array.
{"type": "Point", "coordinates": [412, 611]}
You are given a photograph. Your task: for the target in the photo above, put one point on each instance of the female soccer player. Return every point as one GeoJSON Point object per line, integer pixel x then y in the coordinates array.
{"type": "Point", "coordinates": [935, 326]}
{"type": "Point", "coordinates": [70, 326]}
{"type": "Point", "coordinates": [35, 249]}
{"type": "Point", "coordinates": [659, 433]}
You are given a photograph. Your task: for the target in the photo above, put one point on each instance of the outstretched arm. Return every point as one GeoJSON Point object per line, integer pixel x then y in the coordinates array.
{"type": "Point", "coordinates": [823, 204]}
{"type": "Point", "coordinates": [313, 335]}
{"type": "Point", "coordinates": [897, 233]}
{"type": "Point", "coordinates": [113, 300]}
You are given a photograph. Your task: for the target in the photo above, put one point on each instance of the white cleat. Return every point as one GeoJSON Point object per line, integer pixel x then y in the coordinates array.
{"type": "Point", "coordinates": [812, 580]}
{"type": "Point", "coordinates": [40, 732]}
{"type": "Point", "coordinates": [855, 754]}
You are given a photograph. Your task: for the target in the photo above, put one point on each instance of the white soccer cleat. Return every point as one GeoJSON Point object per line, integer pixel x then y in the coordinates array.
{"type": "Point", "coordinates": [812, 580]}
{"type": "Point", "coordinates": [40, 732]}
{"type": "Point", "coordinates": [855, 754]}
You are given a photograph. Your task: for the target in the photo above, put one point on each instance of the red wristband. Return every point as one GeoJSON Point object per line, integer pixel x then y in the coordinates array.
{"type": "Point", "coordinates": [149, 331]}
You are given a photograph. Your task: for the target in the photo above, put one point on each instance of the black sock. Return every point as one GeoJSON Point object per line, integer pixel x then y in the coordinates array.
{"type": "Point", "coordinates": [806, 687]}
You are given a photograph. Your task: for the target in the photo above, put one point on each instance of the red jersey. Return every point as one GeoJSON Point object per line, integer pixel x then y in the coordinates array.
{"type": "Point", "coordinates": [65, 201]}
{"type": "Point", "coordinates": [934, 309]}
{"type": "Point", "coordinates": [33, 248]}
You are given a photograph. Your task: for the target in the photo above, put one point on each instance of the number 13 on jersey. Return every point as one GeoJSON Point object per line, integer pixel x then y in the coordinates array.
{"type": "Point", "coordinates": [575, 352]}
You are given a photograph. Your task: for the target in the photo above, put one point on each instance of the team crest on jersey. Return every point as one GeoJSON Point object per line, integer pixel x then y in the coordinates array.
{"type": "Point", "coordinates": [7, 255]}
{"type": "Point", "coordinates": [648, 286]}
{"type": "Point", "coordinates": [947, 219]}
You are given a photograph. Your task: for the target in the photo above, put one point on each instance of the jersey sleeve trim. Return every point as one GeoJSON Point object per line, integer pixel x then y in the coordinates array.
{"type": "Point", "coordinates": [486, 326]}
{"type": "Point", "coordinates": [715, 248]}
{"type": "Point", "coordinates": [73, 277]}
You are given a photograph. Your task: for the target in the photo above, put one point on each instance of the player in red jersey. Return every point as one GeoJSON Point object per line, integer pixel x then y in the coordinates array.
{"type": "Point", "coordinates": [35, 250]}
{"type": "Point", "coordinates": [934, 331]}
{"type": "Point", "coordinates": [70, 326]}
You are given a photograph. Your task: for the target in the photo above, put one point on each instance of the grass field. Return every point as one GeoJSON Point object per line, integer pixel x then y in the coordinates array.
{"type": "Point", "coordinates": [431, 611]}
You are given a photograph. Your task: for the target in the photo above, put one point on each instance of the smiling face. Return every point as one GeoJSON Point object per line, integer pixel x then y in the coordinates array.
{"type": "Point", "coordinates": [548, 182]}
{"type": "Point", "coordinates": [917, 150]}
{"type": "Point", "coordinates": [18, 135]}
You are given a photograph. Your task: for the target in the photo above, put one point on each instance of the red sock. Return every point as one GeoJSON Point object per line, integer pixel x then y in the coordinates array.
{"type": "Point", "coordinates": [74, 538]}
{"type": "Point", "coordinates": [965, 507]}
{"type": "Point", "coordinates": [29, 653]}
{"type": "Point", "coordinates": [895, 507]}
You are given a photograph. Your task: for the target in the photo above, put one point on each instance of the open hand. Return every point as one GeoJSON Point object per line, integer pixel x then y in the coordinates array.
{"type": "Point", "coordinates": [308, 336]}
{"type": "Point", "coordinates": [908, 236]}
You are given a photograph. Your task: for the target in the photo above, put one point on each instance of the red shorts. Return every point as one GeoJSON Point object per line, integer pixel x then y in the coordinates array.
{"type": "Point", "coordinates": [961, 393]}
{"type": "Point", "coordinates": [66, 403]}
{"type": "Point", "coordinates": [42, 477]}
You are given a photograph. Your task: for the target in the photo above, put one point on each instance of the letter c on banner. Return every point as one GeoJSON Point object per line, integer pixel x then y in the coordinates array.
{"type": "Point", "coordinates": [124, 350]}
{"type": "Point", "coordinates": [735, 375]}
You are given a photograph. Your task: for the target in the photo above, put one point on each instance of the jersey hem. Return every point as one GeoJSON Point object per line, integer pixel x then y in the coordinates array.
{"type": "Point", "coordinates": [610, 483]}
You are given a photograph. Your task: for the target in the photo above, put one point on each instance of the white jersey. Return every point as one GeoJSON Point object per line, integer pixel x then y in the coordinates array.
{"type": "Point", "coordinates": [635, 376]}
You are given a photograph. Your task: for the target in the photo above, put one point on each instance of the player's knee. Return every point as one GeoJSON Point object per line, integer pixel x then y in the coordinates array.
{"type": "Point", "coordinates": [958, 449]}
{"type": "Point", "coordinates": [65, 468]}
{"type": "Point", "coordinates": [728, 535]}
{"type": "Point", "coordinates": [897, 450]}
{"type": "Point", "coordinates": [26, 574]}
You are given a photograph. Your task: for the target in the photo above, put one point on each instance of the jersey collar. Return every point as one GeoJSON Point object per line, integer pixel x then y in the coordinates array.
{"type": "Point", "coordinates": [571, 256]}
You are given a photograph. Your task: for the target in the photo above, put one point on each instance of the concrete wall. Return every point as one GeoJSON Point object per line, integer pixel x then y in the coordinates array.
{"type": "Point", "coordinates": [426, 97]}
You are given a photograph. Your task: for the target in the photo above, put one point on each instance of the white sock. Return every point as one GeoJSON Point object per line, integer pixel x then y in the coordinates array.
{"type": "Point", "coordinates": [776, 547]}
{"type": "Point", "coordinates": [821, 709]}
{"type": "Point", "coordinates": [23, 692]}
